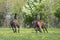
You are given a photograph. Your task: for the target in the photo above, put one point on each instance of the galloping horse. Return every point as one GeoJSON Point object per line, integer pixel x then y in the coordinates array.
{"type": "Point", "coordinates": [39, 25]}
{"type": "Point", "coordinates": [14, 24]}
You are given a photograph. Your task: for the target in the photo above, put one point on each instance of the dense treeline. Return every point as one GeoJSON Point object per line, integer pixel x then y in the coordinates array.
{"type": "Point", "coordinates": [27, 9]}
{"type": "Point", "coordinates": [49, 9]}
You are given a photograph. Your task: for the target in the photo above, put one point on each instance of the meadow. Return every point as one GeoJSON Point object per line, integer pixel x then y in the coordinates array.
{"type": "Point", "coordinates": [29, 34]}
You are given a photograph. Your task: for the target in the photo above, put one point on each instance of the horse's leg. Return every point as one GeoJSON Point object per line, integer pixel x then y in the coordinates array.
{"type": "Point", "coordinates": [43, 30]}
{"type": "Point", "coordinates": [36, 29]}
{"type": "Point", "coordinates": [46, 29]}
{"type": "Point", "coordinates": [14, 28]}
{"type": "Point", "coordinates": [40, 29]}
{"type": "Point", "coordinates": [18, 28]}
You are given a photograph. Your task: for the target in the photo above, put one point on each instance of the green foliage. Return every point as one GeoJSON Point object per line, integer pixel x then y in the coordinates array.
{"type": "Point", "coordinates": [2, 11]}
{"type": "Point", "coordinates": [47, 8]}
{"type": "Point", "coordinates": [11, 6]}
{"type": "Point", "coordinates": [28, 19]}
{"type": "Point", "coordinates": [57, 13]}
{"type": "Point", "coordinates": [33, 8]}
{"type": "Point", "coordinates": [1, 18]}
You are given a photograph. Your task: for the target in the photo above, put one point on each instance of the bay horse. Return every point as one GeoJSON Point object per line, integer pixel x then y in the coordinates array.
{"type": "Point", "coordinates": [14, 24]}
{"type": "Point", "coordinates": [39, 25]}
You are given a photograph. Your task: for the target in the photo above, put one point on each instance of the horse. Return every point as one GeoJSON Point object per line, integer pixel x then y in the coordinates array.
{"type": "Point", "coordinates": [14, 24]}
{"type": "Point", "coordinates": [39, 25]}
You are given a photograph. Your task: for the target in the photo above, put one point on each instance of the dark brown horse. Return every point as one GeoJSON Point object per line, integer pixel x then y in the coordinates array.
{"type": "Point", "coordinates": [14, 24]}
{"type": "Point", "coordinates": [39, 25]}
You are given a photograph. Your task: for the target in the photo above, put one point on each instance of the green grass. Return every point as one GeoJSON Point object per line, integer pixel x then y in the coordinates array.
{"type": "Point", "coordinates": [29, 34]}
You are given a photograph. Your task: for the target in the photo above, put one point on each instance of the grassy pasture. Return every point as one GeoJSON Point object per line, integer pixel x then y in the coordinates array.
{"type": "Point", "coordinates": [29, 34]}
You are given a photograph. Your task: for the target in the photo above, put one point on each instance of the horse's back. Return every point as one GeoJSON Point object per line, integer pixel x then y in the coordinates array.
{"type": "Point", "coordinates": [40, 23]}
{"type": "Point", "coordinates": [14, 22]}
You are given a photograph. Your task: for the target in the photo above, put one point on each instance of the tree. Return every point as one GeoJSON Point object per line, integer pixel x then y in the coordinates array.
{"type": "Point", "coordinates": [3, 11]}
{"type": "Point", "coordinates": [35, 7]}
{"type": "Point", "coordinates": [10, 6]}
{"type": "Point", "coordinates": [57, 9]}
